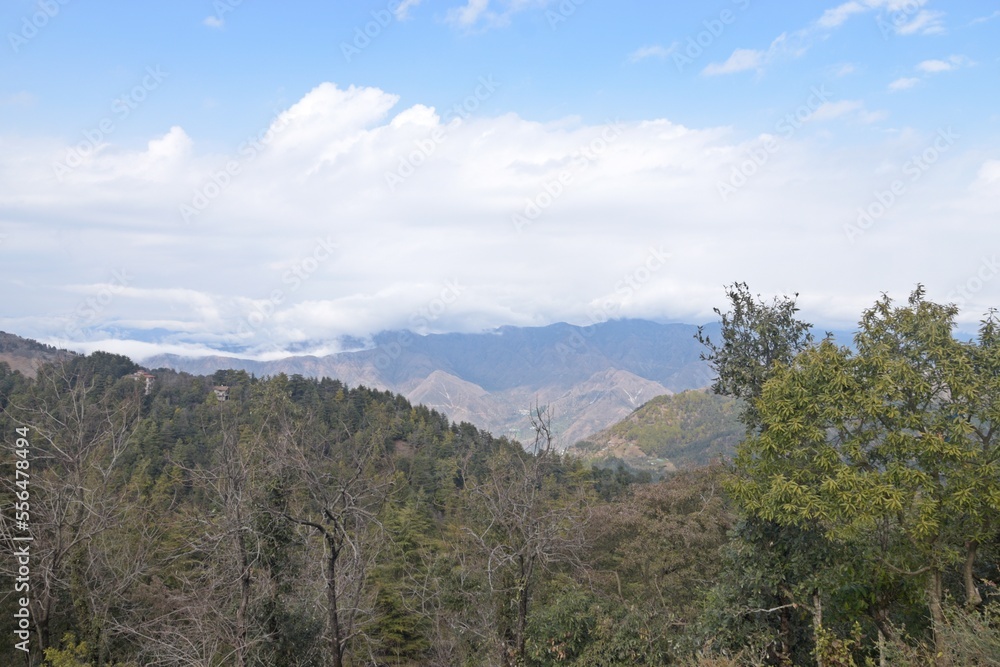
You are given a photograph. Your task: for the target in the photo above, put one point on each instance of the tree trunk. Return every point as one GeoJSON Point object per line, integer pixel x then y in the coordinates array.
{"type": "Point", "coordinates": [818, 627]}
{"type": "Point", "coordinates": [785, 644]}
{"type": "Point", "coordinates": [41, 620]}
{"type": "Point", "coordinates": [522, 622]}
{"type": "Point", "coordinates": [885, 632]}
{"type": "Point", "coordinates": [972, 597]}
{"type": "Point", "coordinates": [336, 641]}
{"type": "Point", "coordinates": [241, 612]}
{"type": "Point", "coordinates": [527, 567]}
{"type": "Point", "coordinates": [941, 658]}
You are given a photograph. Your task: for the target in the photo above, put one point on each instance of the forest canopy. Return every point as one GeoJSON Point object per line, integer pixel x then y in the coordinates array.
{"type": "Point", "coordinates": [235, 520]}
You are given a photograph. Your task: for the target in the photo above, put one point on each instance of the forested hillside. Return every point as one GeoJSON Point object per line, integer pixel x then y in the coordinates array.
{"type": "Point", "coordinates": [169, 519]}
{"type": "Point", "coordinates": [668, 432]}
{"type": "Point", "coordinates": [302, 522]}
{"type": "Point", "coordinates": [25, 355]}
{"type": "Point", "coordinates": [591, 376]}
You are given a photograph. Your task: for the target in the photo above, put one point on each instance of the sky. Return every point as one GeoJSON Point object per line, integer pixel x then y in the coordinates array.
{"type": "Point", "coordinates": [264, 178]}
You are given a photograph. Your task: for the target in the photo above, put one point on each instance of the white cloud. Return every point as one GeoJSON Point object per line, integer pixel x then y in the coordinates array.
{"type": "Point", "coordinates": [905, 6]}
{"type": "Point", "coordinates": [655, 51]}
{"type": "Point", "coordinates": [740, 61]}
{"type": "Point", "coordinates": [833, 18]}
{"type": "Point", "coordinates": [929, 67]}
{"type": "Point", "coordinates": [469, 14]}
{"type": "Point", "coordinates": [831, 110]}
{"type": "Point", "coordinates": [308, 242]}
{"type": "Point", "coordinates": [984, 19]}
{"type": "Point", "coordinates": [847, 108]}
{"type": "Point", "coordinates": [214, 22]}
{"type": "Point", "coordinates": [932, 66]}
{"type": "Point", "coordinates": [891, 15]}
{"type": "Point", "coordinates": [890, 12]}
{"type": "Point", "coordinates": [489, 13]}
{"type": "Point", "coordinates": [924, 23]}
{"type": "Point", "coordinates": [402, 12]}
{"type": "Point", "coordinates": [903, 83]}
{"type": "Point", "coordinates": [868, 117]}
{"type": "Point", "coordinates": [904, 17]}
{"type": "Point", "coordinates": [936, 66]}
{"type": "Point", "coordinates": [844, 70]}
{"type": "Point", "coordinates": [988, 177]}
{"type": "Point", "coordinates": [174, 144]}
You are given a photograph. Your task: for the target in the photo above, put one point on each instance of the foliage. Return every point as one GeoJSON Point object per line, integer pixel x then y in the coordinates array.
{"type": "Point", "coordinates": [756, 336]}
{"type": "Point", "coordinates": [690, 427]}
{"type": "Point", "coordinates": [892, 447]}
{"type": "Point", "coordinates": [303, 522]}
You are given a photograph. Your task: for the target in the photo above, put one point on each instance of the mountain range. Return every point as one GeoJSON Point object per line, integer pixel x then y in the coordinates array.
{"type": "Point", "coordinates": [589, 376]}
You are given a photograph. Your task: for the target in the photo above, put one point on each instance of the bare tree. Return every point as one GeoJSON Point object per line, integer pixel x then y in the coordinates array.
{"type": "Point", "coordinates": [529, 517]}
{"type": "Point", "coordinates": [79, 434]}
{"type": "Point", "coordinates": [214, 559]}
{"type": "Point", "coordinates": [340, 485]}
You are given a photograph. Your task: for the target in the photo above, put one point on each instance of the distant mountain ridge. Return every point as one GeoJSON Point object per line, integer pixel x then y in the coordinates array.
{"type": "Point", "coordinates": [591, 376]}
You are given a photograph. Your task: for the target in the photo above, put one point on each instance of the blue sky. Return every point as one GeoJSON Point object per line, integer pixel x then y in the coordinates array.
{"type": "Point", "coordinates": [265, 176]}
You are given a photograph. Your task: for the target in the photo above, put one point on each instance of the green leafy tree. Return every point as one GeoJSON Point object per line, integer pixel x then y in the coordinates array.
{"type": "Point", "coordinates": [756, 336]}
{"type": "Point", "coordinates": [894, 445]}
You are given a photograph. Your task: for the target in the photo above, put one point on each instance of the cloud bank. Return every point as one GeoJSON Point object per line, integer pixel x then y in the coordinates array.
{"type": "Point", "coordinates": [348, 215]}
